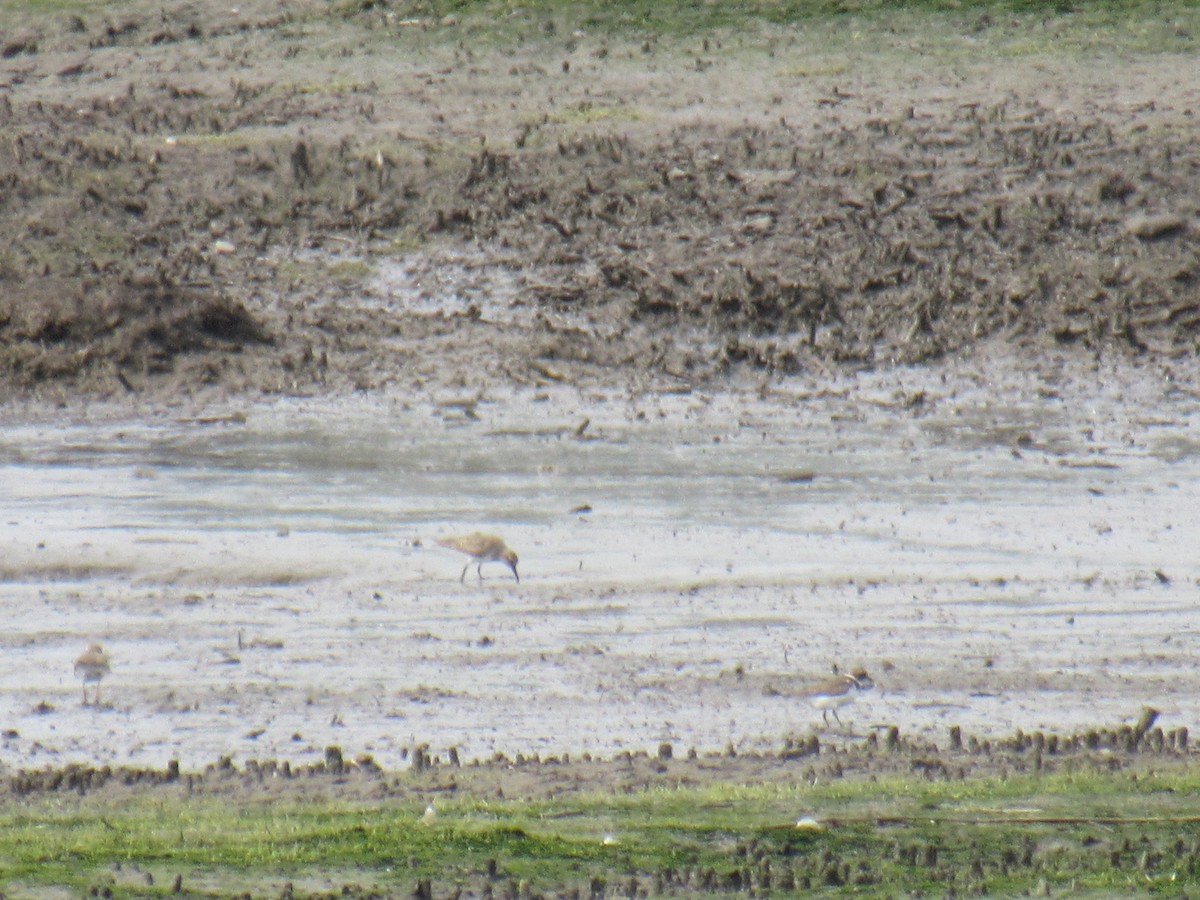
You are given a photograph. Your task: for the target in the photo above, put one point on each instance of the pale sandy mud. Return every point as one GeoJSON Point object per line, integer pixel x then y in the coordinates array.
{"type": "Point", "coordinates": [1002, 548]}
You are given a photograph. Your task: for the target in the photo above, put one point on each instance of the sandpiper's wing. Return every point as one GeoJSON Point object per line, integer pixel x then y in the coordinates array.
{"type": "Point", "coordinates": [92, 660]}
{"type": "Point", "coordinates": [475, 544]}
{"type": "Point", "coordinates": [831, 687]}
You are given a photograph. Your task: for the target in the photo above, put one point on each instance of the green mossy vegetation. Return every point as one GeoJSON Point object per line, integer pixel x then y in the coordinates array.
{"type": "Point", "coordinates": [1015, 28]}
{"type": "Point", "coordinates": [679, 16]}
{"type": "Point", "coordinates": [1087, 831]}
{"type": "Point", "coordinates": [997, 27]}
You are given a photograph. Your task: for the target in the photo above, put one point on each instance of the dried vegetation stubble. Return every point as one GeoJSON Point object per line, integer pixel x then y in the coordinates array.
{"type": "Point", "coordinates": [850, 229]}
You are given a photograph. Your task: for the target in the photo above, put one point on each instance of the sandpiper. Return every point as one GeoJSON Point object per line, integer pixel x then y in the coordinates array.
{"type": "Point", "coordinates": [482, 548]}
{"type": "Point", "coordinates": [92, 666]}
{"type": "Point", "coordinates": [840, 690]}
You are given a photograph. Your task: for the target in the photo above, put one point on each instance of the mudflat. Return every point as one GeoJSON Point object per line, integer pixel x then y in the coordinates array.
{"type": "Point", "coordinates": [838, 342]}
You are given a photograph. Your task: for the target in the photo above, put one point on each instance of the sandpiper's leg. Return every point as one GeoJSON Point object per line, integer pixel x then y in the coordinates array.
{"type": "Point", "coordinates": [85, 703]}
{"type": "Point", "coordinates": [479, 569]}
{"type": "Point", "coordinates": [825, 716]}
{"type": "Point", "coordinates": [97, 693]}
{"type": "Point", "coordinates": [836, 716]}
{"type": "Point", "coordinates": [463, 577]}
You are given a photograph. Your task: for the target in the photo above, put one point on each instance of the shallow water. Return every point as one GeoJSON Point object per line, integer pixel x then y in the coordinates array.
{"type": "Point", "coordinates": [688, 565]}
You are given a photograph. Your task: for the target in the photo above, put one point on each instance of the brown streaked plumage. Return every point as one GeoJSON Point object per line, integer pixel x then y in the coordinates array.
{"type": "Point", "coordinates": [92, 666]}
{"type": "Point", "coordinates": [840, 690]}
{"type": "Point", "coordinates": [482, 548]}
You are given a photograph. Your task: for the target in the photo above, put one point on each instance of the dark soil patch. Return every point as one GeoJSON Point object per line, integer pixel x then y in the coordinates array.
{"type": "Point", "coordinates": [59, 328]}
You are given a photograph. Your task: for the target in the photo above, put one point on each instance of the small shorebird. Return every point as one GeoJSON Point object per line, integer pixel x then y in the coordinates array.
{"type": "Point", "coordinates": [840, 690]}
{"type": "Point", "coordinates": [92, 666]}
{"type": "Point", "coordinates": [482, 548]}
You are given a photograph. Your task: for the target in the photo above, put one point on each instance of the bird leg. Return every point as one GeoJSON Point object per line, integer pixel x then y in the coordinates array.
{"type": "Point", "coordinates": [463, 577]}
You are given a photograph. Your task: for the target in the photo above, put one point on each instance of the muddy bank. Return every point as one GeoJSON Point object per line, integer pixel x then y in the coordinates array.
{"type": "Point", "coordinates": [206, 201]}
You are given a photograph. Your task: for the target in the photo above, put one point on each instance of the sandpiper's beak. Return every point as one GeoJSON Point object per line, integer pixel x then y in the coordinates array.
{"type": "Point", "coordinates": [513, 566]}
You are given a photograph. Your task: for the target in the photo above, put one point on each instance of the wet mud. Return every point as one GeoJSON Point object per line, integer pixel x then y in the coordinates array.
{"type": "Point", "coordinates": [268, 581]}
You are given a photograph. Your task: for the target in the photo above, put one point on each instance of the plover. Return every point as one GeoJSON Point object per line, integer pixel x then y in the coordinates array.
{"type": "Point", "coordinates": [482, 548]}
{"type": "Point", "coordinates": [840, 690]}
{"type": "Point", "coordinates": [92, 666]}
